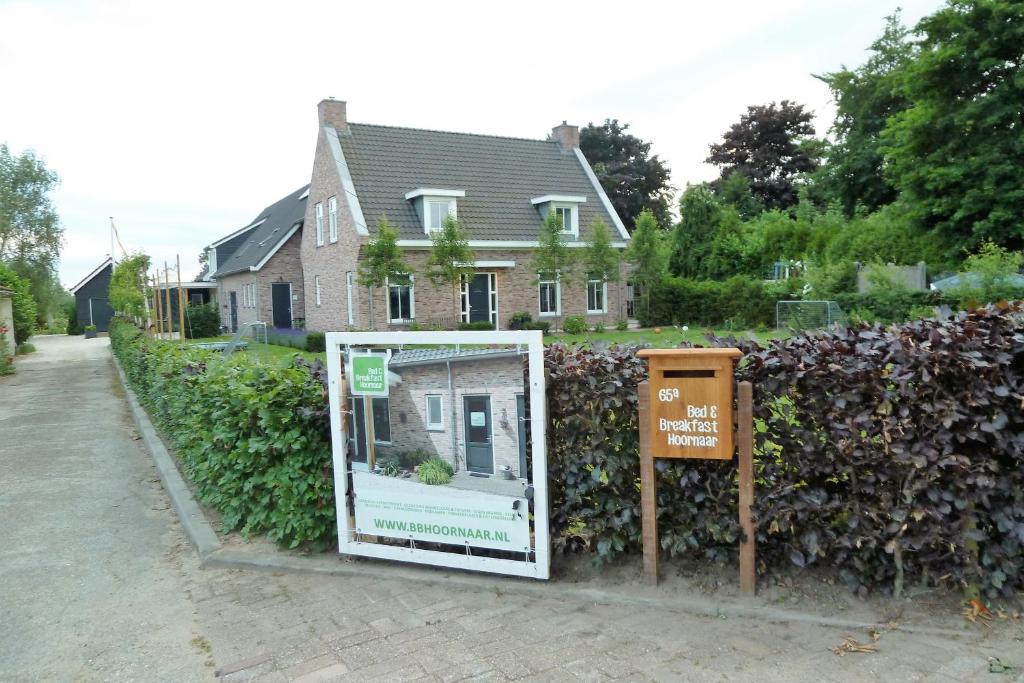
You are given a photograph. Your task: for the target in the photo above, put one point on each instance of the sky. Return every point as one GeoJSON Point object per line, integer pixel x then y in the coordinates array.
{"type": "Point", "coordinates": [183, 120]}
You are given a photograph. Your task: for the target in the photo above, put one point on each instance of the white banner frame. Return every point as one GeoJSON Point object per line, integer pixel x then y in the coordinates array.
{"type": "Point", "coordinates": [533, 340]}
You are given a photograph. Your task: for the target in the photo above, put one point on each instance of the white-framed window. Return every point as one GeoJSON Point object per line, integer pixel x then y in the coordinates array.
{"type": "Point", "coordinates": [350, 286]}
{"type": "Point", "coordinates": [435, 413]}
{"type": "Point", "coordinates": [319, 224]}
{"type": "Point", "coordinates": [316, 288]}
{"type": "Point", "coordinates": [401, 299]}
{"type": "Point", "coordinates": [436, 210]}
{"type": "Point", "coordinates": [550, 293]}
{"type": "Point", "coordinates": [597, 295]}
{"type": "Point", "coordinates": [332, 219]}
{"type": "Point", "coordinates": [381, 420]}
{"type": "Point", "coordinates": [570, 216]}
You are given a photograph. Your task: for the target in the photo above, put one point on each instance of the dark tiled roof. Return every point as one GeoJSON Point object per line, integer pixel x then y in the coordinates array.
{"type": "Point", "coordinates": [422, 356]}
{"type": "Point", "coordinates": [499, 175]}
{"type": "Point", "coordinates": [280, 216]}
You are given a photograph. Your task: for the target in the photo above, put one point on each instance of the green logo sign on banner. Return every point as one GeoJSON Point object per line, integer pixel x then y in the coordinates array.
{"type": "Point", "coordinates": [369, 375]}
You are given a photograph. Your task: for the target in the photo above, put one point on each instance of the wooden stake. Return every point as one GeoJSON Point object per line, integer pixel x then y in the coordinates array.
{"type": "Point", "coordinates": [648, 488]}
{"type": "Point", "coordinates": [156, 307]}
{"type": "Point", "coordinates": [181, 303]}
{"type": "Point", "coordinates": [167, 302]}
{"type": "Point", "coordinates": [371, 450]}
{"type": "Point", "coordinates": [745, 420]}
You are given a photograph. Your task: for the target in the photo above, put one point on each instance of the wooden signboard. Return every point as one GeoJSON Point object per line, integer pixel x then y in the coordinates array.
{"type": "Point", "coordinates": [691, 402]}
{"type": "Point", "coordinates": [686, 412]}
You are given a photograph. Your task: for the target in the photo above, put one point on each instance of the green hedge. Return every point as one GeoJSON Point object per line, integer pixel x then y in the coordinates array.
{"type": "Point", "coordinates": [736, 303]}
{"type": "Point", "coordinates": [202, 320]}
{"type": "Point", "coordinates": [892, 307]}
{"type": "Point", "coordinates": [253, 439]}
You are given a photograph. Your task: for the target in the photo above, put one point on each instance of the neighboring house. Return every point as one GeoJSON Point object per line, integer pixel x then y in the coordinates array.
{"type": "Point", "coordinates": [499, 188]}
{"type": "Point", "coordinates": [92, 303]}
{"type": "Point", "coordinates": [196, 293]}
{"type": "Point", "coordinates": [258, 269]}
{"type": "Point", "coordinates": [467, 407]}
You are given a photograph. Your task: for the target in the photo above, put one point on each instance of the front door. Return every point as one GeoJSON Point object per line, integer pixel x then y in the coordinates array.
{"type": "Point", "coordinates": [480, 298]}
{"type": "Point", "coordinates": [479, 449]}
{"type": "Point", "coordinates": [357, 449]}
{"type": "Point", "coordinates": [281, 302]}
{"type": "Point", "coordinates": [234, 311]}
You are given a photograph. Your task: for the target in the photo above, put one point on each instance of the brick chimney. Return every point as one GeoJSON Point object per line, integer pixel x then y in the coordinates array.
{"type": "Point", "coordinates": [332, 113]}
{"type": "Point", "coordinates": [567, 136]}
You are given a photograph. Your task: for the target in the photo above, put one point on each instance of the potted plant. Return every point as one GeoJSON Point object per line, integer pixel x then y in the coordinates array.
{"type": "Point", "coordinates": [90, 331]}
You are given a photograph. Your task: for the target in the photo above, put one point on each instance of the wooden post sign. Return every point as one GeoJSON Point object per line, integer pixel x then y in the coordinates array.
{"type": "Point", "coordinates": [686, 411]}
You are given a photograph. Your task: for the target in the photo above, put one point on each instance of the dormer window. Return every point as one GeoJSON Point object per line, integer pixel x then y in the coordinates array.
{"type": "Point", "coordinates": [565, 207]}
{"type": "Point", "coordinates": [435, 205]}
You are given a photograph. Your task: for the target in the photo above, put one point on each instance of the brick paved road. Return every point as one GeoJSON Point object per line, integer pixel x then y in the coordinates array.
{"type": "Point", "coordinates": [133, 604]}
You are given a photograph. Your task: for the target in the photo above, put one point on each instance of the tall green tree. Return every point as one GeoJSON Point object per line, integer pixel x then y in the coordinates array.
{"type": "Point", "coordinates": [553, 256]}
{"type": "Point", "coordinates": [771, 145]}
{"type": "Point", "coordinates": [127, 290]}
{"type": "Point", "coordinates": [451, 259]}
{"type": "Point", "coordinates": [23, 303]}
{"type": "Point", "coordinates": [865, 98]}
{"type": "Point", "coordinates": [633, 179]}
{"type": "Point", "coordinates": [734, 190]}
{"type": "Point", "coordinates": [693, 236]}
{"type": "Point", "coordinates": [600, 259]}
{"type": "Point", "coordinates": [30, 229]}
{"type": "Point", "coordinates": [647, 255]}
{"type": "Point", "coordinates": [956, 152]}
{"type": "Point", "coordinates": [382, 259]}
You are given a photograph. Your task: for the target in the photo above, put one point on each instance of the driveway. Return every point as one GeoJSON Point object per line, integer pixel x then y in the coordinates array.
{"type": "Point", "coordinates": [98, 583]}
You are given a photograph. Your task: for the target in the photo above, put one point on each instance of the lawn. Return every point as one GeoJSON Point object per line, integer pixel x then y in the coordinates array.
{"type": "Point", "coordinates": [274, 354]}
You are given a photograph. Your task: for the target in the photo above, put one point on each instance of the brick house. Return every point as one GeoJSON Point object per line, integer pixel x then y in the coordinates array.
{"type": "Point", "coordinates": [467, 406]}
{"type": "Point", "coordinates": [500, 189]}
{"type": "Point", "coordinates": [258, 269]}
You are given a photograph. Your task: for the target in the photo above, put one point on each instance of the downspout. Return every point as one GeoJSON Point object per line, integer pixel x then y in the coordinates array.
{"type": "Point", "coordinates": [455, 438]}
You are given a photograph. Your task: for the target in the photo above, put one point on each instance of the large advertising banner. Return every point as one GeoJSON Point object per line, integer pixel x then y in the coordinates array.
{"type": "Point", "coordinates": [439, 448]}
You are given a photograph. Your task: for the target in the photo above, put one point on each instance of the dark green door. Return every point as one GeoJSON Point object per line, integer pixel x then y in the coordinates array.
{"type": "Point", "coordinates": [357, 450]}
{"type": "Point", "coordinates": [477, 419]}
{"type": "Point", "coordinates": [480, 298]}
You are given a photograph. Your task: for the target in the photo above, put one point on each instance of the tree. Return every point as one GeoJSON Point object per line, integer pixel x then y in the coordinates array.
{"type": "Point", "coordinates": [451, 259]}
{"type": "Point", "coordinates": [127, 290]}
{"type": "Point", "coordinates": [771, 145]}
{"type": "Point", "coordinates": [865, 99]}
{"type": "Point", "coordinates": [30, 231]}
{"type": "Point", "coordinates": [646, 253]}
{"type": "Point", "coordinates": [955, 152]}
{"type": "Point", "coordinates": [734, 190]}
{"type": "Point", "coordinates": [553, 257]}
{"type": "Point", "coordinates": [23, 303]}
{"type": "Point", "coordinates": [600, 259]}
{"type": "Point", "coordinates": [382, 261]}
{"type": "Point", "coordinates": [693, 236]}
{"type": "Point", "coordinates": [632, 178]}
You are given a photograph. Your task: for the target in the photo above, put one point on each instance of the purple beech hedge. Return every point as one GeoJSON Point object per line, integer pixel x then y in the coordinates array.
{"type": "Point", "coordinates": [890, 455]}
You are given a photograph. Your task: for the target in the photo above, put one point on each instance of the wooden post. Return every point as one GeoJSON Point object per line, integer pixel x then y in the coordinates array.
{"type": "Point", "coordinates": [371, 450]}
{"type": "Point", "coordinates": [156, 307]}
{"type": "Point", "coordinates": [648, 488]}
{"type": "Point", "coordinates": [745, 420]}
{"type": "Point", "coordinates": [168, 311]}
{"type": "Point", "coordinates": [181, 304]}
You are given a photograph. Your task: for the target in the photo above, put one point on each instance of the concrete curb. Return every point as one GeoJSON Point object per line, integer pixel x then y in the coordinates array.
{"type": "Point", "coordinates": [198, 530]}
{"type": "Point", "coordinates": [212, 554]}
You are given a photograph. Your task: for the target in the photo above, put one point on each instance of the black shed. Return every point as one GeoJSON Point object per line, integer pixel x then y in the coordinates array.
{"type": "Point", "coordinates": [91, 297]}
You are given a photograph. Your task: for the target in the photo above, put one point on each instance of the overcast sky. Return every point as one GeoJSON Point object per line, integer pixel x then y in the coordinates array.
{"type": "Point", "coordinates": [182, 120]}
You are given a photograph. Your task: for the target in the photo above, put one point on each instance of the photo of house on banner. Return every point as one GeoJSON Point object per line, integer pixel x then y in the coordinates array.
{"type": "Point", "coordinates": [436, 440]}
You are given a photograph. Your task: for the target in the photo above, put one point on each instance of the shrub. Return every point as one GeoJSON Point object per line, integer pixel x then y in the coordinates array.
{"type": "Point", "coordinates": [890, 306]}
{"type": "Point", "coordinates": [736, 303]}
{"type": "Point", "coordinates": [621, 324]}
{"type": "Point", "coordinates": [519, 320]}
{"type": "Point", "coordinates": [598, 327]}
{"type": "Point", "coordinates": [889, 454]}
{"type": "Point", "coordinates": [436, 471]}
{"type": "Point", "coordinates": [89, 328]}
{"type": "Point", "coordinates": [575, 324]}
{"type": "Point", "coordinates": [23, 303]}
{"type": "Point", "coordinates": [290, 337]}
{"type": "Point", "coordinates": [390, 465]}
{"type": "Point", "coordinates": [410, 459]}
{"type": "Point", "coordinates": [541, 325]}
{"type": "Point", "coordinates": [71, 310]}
{"type": "Point", "coordinates": [24, 348]}
{"type": "Point", "coordinates": [254, 439]}
{"type": "Point", "coordinates": [316, 342]}
{"type": "Point", "coordinates": [202, 320]}
{"type": "Point", "coordinates": [6, 362]}
{"type": "Point", "coordinates": [479, 325]}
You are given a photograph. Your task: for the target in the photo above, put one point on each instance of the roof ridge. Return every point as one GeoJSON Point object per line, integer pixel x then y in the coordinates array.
{"type": "Point", "coordinates": [455, 132]}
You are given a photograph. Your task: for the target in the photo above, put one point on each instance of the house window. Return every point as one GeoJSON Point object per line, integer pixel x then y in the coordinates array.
{"type": "Point", "coordinates": [437, 211]}
{"type": "Point", "coordinates": [435, 413]}
{"type": "Point", "coordinates": [319, 224]}
{"type": "Point", "coordinates": [316, 288]}
{"type": "Point", "coordinates": [401, 301]}
{"type": "Point", "coordinates": [381, 420]}
{"type": "Point", "coordinates": [597, 295]}
{"type": "Point", "coordinates": [550, 294]}
{"type": "Point", "coordinates": [332, 219]}
{"type": "Point", "coordinates": [350, 286]}
{"type": "Point", "coordinates": [568, 214]}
